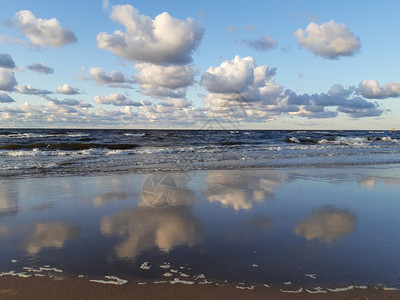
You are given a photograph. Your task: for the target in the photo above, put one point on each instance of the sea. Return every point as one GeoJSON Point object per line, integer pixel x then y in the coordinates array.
{"type": "Point", "coordinates": [42, 152]}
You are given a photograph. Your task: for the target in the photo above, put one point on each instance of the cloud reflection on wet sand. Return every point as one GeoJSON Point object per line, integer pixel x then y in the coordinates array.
{"type": "Point", "coordinates": [146, 227]}
{"type": "Point", "coordinates": [327, 224]}
{"type": "Point", "coordinates": [53, 234]}
{"type": "Point", "coordinates": [241, 189]}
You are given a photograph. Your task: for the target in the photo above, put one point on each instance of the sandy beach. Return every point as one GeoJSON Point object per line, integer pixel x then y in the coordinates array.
{"type": "Point", "coordinates": [41, 288]}
{"type": "Point", "coordinates": [304, 233]}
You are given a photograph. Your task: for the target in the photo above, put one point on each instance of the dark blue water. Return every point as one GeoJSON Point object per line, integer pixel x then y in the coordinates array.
{"type": "Point", "coordinates": [25, 152]}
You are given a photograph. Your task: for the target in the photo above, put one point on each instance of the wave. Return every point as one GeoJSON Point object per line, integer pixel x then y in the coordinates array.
{"type": "Point", "coordinates": [67, 146]}
{"type": "Point", "coordinates": [134, 134]}
{"type": "Point", "coordinates": [350, 141]}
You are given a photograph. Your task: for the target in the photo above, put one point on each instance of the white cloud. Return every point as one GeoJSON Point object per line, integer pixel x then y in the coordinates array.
{"type": "Point", "coordinates": [329, 40]}
{"type": "Point", "coordinates": [372, 90]}
{"type": "Point", "coordinates": [106, 5]}
{"type": "Point", "coordinates": [164, 81]}
{"type": "Point", "coordinates": [30, 90]}
{"type": "Point", "coordinates": [164, 40]}
{"type": "Point", "coordinates": [345, 100]}
{"type": "Point", "coordinates": [261, 44]}
{"type": "Point", "coordinates": [7, 80]}
{"type": "Point", "coordinates": [113, 79]}
{"type": "Point", "coordinates": [66, 89]}
{"type": "Point", "coordinates": [5, 98]}
{"type": "Point", "coordinates": [328, 224]}
{"type": "Point", "coordinates": [69, 102]}
{"type": "Point", "coordinates": [240, 90]}
{"type": "Point", "coordinates": [116, 100]}
{"type": "Point", "coordinates": [42, 32]}
{"type": "Point", "coordinates": [41, 68]}
{"type": "Point", "coordinates": [6, 61]}
{"type": "Point", "coordinates": [241, 87]}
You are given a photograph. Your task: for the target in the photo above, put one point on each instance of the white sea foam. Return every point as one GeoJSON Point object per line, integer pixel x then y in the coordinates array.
{"type": "Point", "coordinates": [347, 288]}
{"type": "Point", "coordinates": [200, 276]}
{"type": "Point", "coordinates": [165, 266]}
{"type": "Point", "coordinates": [298, 291]}
{"type": "Point", "coordinates": [159, 281]}
{"type": "Point", "coordinates": [317, 290]}
{"type": "Point", "coordinates": [177, 280]}
{"type": "Point", "coordinates": [112, 280]}
{"type": "Point", "coordinates": [313, 276]}
{"type": "Point", "coordinates": [145, 266]}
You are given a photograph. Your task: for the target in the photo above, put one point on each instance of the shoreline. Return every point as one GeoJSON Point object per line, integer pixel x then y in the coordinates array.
{"type": "Point", "coordinates": [74, 288]}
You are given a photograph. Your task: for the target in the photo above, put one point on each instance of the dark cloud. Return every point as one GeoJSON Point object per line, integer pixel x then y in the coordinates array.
{"type": "Point", "coordinates": [40, 68]}
{"type": "Point", "coordinates": [7, 80]}
{"type": "Point", "coordinates": [6, 61]}
{"type": "Point", "coordinates": [30, 90]}
{"type": "Point", "coordinates": [5, 98]}
{"type": "Point", "coordinates": [261, 44]}
{"type": "Point", "coordinates": [116, 100]}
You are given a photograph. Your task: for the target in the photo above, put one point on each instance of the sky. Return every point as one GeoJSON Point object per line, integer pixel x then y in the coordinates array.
{"type": "Point", "coordinates": [200, 65]}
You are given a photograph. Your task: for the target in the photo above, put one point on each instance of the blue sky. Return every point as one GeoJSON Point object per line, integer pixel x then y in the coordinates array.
{"type": "Point", "coordinates": [178, 64]}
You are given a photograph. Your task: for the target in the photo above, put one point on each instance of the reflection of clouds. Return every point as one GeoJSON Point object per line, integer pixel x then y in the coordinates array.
{"type": "Point", "coordinates": [240, 189]}
{"type": "Point", "coordinates": [166, 228]}
{"type": "Point", "coordinates": [101, 199]}
{"type": "Point", "coordinates": [370, 182]}
{"type": "Point", "coordinates": [8, 199]}
{"type": "Point", "coordinates": [327, 224]}
{"type": "Point", "coordinates": [53, 234]}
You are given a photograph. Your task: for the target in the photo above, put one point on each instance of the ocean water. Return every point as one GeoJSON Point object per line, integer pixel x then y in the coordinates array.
{"type": "Point", "coordinates": [27, 152]}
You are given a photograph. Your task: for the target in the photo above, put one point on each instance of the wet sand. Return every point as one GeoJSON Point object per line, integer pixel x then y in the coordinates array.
{"type": "Point", "coordinates": [306, 233]}
{"type": "Point", "coordinates": [45, 288]}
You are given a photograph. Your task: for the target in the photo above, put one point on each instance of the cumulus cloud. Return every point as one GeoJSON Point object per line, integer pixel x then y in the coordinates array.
{"type": "Point", "coordinates": [30, 90]}
{"type": "Point", "coordinates": [329, 40]}
{"type": "Point", "coordinates": [178, 111]}
{"type": "Point", "coordinates": [164, 81]}
{"type": "Point", "coordinates": [372, 90]}
{"type": "Point", "coordinates": [113, 79]}
{"type": "Point", "coordinates": [115, 99]}
{"type": "Point", "coordinates": [68, 102]}
{"type": "Point", "coordinates": [241, 90]}
{"type": "Point", "coordinates": [327, 224]}
{"type": "Point", "coordinates": [6, 61]}
{"type": "Point", "coordinates": [261, 44]}
{"type": "Point", "coordinates": [5, 98]}
{"type": "Point", "coordinates": [66, 89]}
{"type": "Point", "coordinates": [53, 234]}
{"type": "Point", "coordinates": [240, 87]}
{"type": "Point", "coordinates": [345, 100]}
{"type": "Point", "coordinates": [66, 115]}
{"type": "Point", "coordinates": [145, 228]}
{"type": "Point", "coordinates": [42, 32]}
{"type": "Point", "coordinates": [7, 80]}
{"type": "Point", "coordinates": [162, 40]}
{"type": "Point", "coordinates": [41, 68]}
